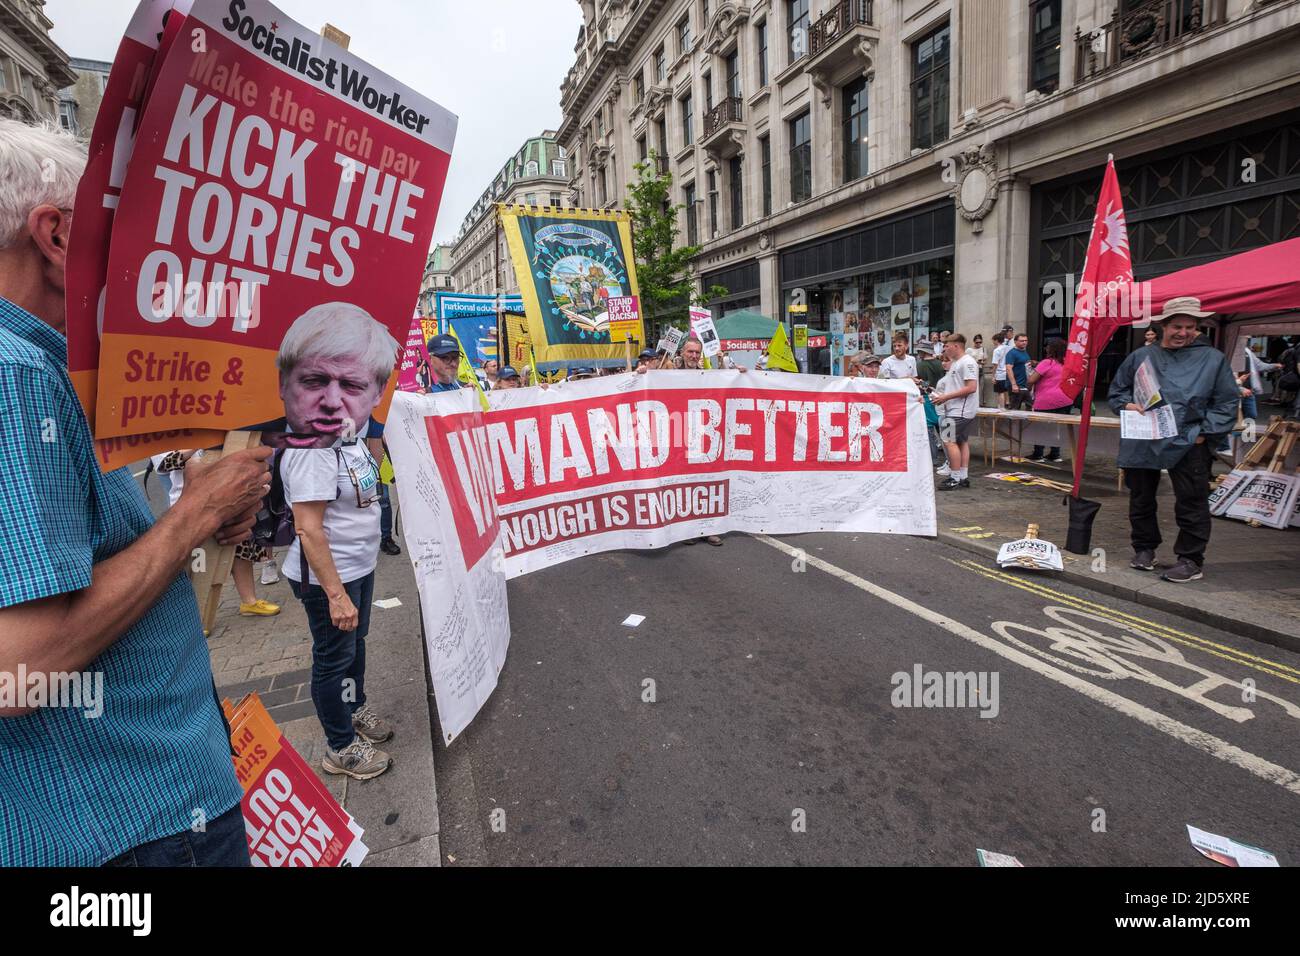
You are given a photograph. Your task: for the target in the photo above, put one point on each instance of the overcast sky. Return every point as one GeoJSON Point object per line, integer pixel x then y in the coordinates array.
{"type": "Point", "coordinates": [496, 64]}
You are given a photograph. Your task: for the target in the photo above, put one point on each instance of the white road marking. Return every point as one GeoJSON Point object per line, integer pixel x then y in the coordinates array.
{"type": "Point", "coordinates": [137, 474]}
{"type": "Point", "coordinates": [1197, 739]}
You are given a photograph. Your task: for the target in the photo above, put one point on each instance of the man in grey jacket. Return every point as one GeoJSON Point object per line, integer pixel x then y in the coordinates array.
{"type": "Point", "coordinates": [1196, 381]}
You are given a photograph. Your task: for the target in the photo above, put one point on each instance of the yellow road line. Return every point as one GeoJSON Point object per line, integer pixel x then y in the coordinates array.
{"type": "Point", "coordinates": [1131, 617]}
{"type": "Point", "coordinates": [1246, 660]}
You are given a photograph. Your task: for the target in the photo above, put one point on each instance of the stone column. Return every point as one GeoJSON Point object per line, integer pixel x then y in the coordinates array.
{"type": "Point", "coordinates": [769, 284]}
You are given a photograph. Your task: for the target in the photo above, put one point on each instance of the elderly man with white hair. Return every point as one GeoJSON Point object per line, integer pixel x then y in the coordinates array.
{"type": "Point", "coordinates": [93, 591]}
{"type": "Point", "coordinates": [334, 363]}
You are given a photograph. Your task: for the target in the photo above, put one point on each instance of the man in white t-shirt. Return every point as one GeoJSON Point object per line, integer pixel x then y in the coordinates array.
{"type": "Point", "coordinates": [957, 398]}
{"type": "Point", "coordinates": [335, 495]}
{"type": "Point", "coordinates": [900, 364]}
{"type": "Point", "coordinates": [1005, 343]}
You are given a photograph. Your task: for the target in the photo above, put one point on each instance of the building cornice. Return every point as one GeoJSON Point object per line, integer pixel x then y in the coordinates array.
{"type": "Point", "coordinates": [29, 33]}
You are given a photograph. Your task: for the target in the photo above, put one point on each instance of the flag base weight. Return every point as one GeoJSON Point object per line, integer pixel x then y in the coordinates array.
{"type": "Point", "coordinates": [1078, 539]}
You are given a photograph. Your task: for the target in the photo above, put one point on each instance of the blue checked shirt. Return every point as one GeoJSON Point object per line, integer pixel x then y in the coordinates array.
{"type": "Point", "coordinates": [78, 790]}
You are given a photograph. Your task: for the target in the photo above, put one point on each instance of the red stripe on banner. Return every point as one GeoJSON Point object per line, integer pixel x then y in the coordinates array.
{"type": "Point", "coordinates": [662, 433]}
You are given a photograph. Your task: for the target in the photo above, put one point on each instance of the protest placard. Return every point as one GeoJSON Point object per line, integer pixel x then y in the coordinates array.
{"type": "Point", "coordinates": [109, 149]}
{"type": "Point", "coordinates": [274, 175]}
{"type": "Point", "coordinates": [702, 328]}
{"type": "Point", "coordinates": [413, 373]}
{"type": "Point", "coordinates": [1267, 498]}
{"type": "Point", "coordinates": [625, 319]}
{"type": "Point", "coordinates": [671, 340]}
{"type": "Point", "coordinates": [290, 819]}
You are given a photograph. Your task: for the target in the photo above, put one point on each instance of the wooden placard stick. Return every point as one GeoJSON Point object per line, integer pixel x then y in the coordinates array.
{"type": "Point", "coordinates": [218, 559]}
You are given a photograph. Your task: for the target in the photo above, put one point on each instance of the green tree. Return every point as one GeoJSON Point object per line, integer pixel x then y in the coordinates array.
{"type": "Point", "coordinates": [662, 267]}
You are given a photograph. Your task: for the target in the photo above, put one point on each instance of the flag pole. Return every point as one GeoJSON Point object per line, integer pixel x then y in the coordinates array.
{"type": "Point", "coordinates": [1085, 422]}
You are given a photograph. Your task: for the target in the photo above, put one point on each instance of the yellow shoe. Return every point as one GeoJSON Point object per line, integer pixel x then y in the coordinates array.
{"type": "Point", "coordinates": [260, 608]}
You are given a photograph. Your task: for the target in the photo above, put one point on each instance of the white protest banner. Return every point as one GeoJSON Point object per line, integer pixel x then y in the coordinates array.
{"type": "Point", "coordinates": [702, 328]}
{"type": "Point", "coordinates": [646, 460]}
{"type": "Point", "coordinates": [633, 461]}
{"type": "Point", "coordinates": [439, 447]}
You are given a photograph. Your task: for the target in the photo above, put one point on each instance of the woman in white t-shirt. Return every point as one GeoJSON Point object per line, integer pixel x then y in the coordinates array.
{"type": "Point", "coordinates": [339, 359]}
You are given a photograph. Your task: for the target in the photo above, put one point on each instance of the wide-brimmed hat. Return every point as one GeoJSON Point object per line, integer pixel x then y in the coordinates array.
{"type": "Point", "coordinates": [925, 348]}
{"type": "Point", "coordinates": [1181, 305]}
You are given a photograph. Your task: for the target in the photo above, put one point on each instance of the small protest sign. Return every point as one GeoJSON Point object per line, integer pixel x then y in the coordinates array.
{"type": "Point", "coordinates": [671, 341]}
{"type": "Point", "coordinates": [702, 328]}
{"type": "Point", "coordinates": [625, 318]}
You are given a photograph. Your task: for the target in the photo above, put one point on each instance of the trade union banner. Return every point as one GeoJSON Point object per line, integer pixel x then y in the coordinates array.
{"type": "Point", "coordinates": [275, 179]}
{"type": "Point", "coordinates": [468, 305]}
{"type": "Point", "coordinates": [570, 263]}
{"type": "Point", "coordinates": [637, 461]}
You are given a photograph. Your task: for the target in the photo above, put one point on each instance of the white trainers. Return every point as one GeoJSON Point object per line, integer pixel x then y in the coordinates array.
{"type": "Point", "coordinates": [944, 471]}
{"type": "Point", "coordinates": [270, 572]}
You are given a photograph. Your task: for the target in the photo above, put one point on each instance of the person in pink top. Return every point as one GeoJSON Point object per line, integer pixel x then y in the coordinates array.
{"type": "Point", "coordinates": [1048, 397]}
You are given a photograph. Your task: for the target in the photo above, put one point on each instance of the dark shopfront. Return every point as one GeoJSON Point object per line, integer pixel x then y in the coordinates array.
{"type": "Point", "coordinates": [888, 276]}
{"type": "Point", "coordinates": [1185, 205]}
{"type": "Point", "coordinates": [742, 284]}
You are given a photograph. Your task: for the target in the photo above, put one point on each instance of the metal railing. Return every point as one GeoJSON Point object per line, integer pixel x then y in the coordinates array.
{"type": "Point", "coordinates": [835, 22]}
{"type": "Point", "coordinates": [727, 111]}
{"type": "Point", "coordinates": [1142, 31]}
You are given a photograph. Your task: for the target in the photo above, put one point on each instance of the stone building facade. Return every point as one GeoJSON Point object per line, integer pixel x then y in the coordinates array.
{"type": "Point", "coordinates": [33, 69]}
{"type": "Point", "coordinates": [79, 103]}
{"type": "Point", "coordinates": [940, 154]}
{"type": "Point", "coordinates": [536, 175]}
{"type": "Point", "coordinates": [437, 278]}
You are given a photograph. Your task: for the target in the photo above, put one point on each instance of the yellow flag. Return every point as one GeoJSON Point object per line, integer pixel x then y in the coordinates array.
{"type": "Point", "coordinates": [778, 352]}
{"type": "Point", "coordinates": [466, 371]}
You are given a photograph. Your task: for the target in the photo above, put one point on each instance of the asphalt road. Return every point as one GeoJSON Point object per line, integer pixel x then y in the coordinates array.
{"type": "Point", "coordinates": [772, 708]}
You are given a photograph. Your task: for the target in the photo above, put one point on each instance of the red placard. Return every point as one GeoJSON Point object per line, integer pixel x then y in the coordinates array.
{"type": "Point", "coordinates": [273, 173]}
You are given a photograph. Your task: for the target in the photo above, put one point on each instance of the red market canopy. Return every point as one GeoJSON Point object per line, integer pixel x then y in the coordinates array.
{"type": "Point", "coordinates": [1262, 280]}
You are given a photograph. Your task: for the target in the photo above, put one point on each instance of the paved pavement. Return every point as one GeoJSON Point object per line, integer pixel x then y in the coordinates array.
{"type": "Point", "coordinates": [772, 705]}
{"type": "Point", "coordinates": [1251, 584]}
{"type": "Point", "coordinates": [272, 656]}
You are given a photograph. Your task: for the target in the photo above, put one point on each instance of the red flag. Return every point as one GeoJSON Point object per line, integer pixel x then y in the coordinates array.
{"type": "Point", "coordinates": [1106, 269]}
